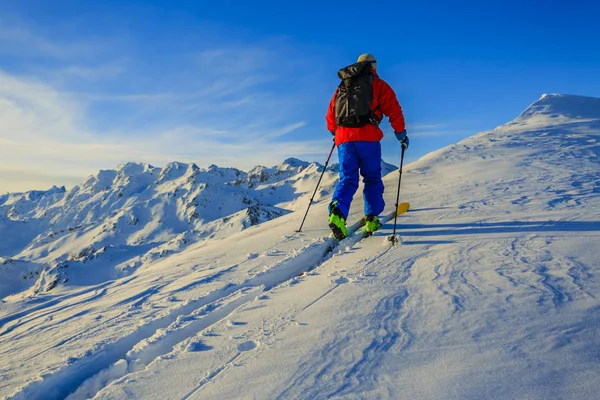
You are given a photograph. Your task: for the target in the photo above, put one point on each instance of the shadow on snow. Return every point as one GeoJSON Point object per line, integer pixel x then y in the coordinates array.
{"type": "Point", "coordinates": [483, 228]}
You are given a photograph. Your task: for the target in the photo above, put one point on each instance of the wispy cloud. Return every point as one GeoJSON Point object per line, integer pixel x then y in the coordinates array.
{"type": "Point", "coordinates": [31, 110]}
{"type": "Point", "coordinates": [428, 130]}
{"type": "Point", "coordinates": [19, 39]}
{"type": "Point", "coordinates": [92, 97]}
{"type": "Point", "coordinates": [217, 104]}
{"type": "Point", "coordinates": [108, 70]}
{"type": "Point", "coordinates": [235, 60]}
{"type": "Point", "coordinates": [283, 131]}
{"type": "Point", "coordinates": [425, 127]}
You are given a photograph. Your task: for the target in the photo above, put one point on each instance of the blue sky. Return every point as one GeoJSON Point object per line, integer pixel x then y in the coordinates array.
{"type": "Point", "coordinates": [87, 85]}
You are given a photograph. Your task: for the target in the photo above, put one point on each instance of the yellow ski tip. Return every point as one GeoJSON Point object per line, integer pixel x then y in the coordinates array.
{"type": "Point", "coordinates": [402, 208]}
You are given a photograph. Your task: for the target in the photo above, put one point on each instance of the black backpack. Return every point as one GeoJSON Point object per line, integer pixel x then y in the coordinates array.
{"type": "Point", "coordinates": [354, 96]}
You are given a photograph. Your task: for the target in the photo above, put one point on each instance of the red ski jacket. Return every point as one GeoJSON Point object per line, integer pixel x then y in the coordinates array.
{"type": "Point", "coordinates": [384, 103]}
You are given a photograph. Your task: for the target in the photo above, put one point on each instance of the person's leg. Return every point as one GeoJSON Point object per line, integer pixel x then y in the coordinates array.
{"type": "Point", "coordinates": [370, 169]}
{"type": "Point", "coordinates": [348, 183]}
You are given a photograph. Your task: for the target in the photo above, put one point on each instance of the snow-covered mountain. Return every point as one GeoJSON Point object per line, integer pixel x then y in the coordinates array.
{"type": "Point", "coordinates": [493, 293]}
{"type": "Point", "coordinates": [119, 220]}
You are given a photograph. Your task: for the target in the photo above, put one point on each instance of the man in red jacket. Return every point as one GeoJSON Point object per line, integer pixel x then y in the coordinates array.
{"type": "Point", "coordinates": [354, 114]}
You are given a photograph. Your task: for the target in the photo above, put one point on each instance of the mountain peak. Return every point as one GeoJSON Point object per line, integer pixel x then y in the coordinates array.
{"type": "Point", "coordinates": [562, 107]}
{"type": "Point", "coordinates": [128, 169]}
{"type": "Point", "coordinates": [294, 162]}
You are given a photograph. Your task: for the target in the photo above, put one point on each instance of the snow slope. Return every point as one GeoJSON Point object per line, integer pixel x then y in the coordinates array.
{"type": "Point", "coordinates": [492, 294]}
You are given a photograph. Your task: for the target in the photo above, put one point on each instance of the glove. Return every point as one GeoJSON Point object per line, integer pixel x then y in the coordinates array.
{"type": "Point", "coordinates": [332, 133]}
{"type": "Point", "coordinates": [402, 138]}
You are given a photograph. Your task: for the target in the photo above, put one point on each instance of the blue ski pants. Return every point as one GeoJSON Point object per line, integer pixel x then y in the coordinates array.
{"type": "Point", "coordinates": [364, 158]}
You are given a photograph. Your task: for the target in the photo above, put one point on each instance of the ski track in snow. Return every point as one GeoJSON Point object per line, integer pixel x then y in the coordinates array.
{"type": "Point", "coordinates": [145, 351]}
{"type": "Point", "coordinates": [66, 381]}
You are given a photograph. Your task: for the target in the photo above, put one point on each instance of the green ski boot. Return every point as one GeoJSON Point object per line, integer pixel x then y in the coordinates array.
{"type": "Point", "coordinates": [372, 224]}
{"type": "Point", "coordinates": [337, 222]}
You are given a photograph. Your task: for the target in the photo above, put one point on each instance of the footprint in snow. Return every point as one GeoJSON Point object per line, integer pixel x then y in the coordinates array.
{"type": "Point", "coordinates": [272, 253]}
{"type": "Point", "coordinates": [246, 346]}
{"type": "Point", "coordinates": [341, 280]}
{"type": "Point", "coordinates": [196, 346]}
{"type": "Point", "coordinates": [231, 323]}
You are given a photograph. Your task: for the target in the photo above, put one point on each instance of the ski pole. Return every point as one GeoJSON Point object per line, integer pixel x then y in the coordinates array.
{"type": "Point", "coordinates": [318, 183]}
{"type": "Point", "coordinates": [393, 237]}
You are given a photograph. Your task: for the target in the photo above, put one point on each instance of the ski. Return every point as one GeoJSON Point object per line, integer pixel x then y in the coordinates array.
{"type": "Point", "coordinates": [354, 238]}
{"type": "Point", "coordinates": [402, 208]}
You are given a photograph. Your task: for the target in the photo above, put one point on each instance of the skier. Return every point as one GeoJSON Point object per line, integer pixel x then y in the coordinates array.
{"type": "Point", "coordinates": [355, 111]}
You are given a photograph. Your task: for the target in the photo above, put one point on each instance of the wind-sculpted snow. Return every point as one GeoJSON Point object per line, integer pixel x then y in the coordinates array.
{"type": "Point", "coordinates": [322, 376]}
{"type": "Point", "coordinates": [493, 292]}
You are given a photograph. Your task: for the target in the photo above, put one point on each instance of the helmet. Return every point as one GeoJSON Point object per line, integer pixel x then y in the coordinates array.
{"type": "Point", "coordinates": [368, 58]}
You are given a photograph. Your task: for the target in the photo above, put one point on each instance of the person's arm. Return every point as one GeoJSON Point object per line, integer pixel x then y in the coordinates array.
{"type": "Point", "coordinates": [389, 105]}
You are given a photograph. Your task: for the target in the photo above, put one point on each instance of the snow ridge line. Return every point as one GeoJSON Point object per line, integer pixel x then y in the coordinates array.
{"type": "Point", "coordinates": [68, 380]}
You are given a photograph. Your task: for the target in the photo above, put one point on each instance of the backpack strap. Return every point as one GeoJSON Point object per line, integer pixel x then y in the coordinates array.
{"type": "Point", "coordinates": [374, 119]}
